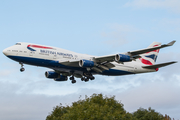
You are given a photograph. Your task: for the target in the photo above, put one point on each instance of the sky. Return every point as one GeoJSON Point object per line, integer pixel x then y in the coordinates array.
{"type": "Point", "coordinates": [92, 27]}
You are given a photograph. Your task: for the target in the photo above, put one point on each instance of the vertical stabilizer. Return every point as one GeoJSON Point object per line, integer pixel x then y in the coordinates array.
{"type": "Point", "coordinates": [149, 58]}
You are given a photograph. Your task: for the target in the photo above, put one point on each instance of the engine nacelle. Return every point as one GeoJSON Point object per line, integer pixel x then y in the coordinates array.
{"type": "Point", "coordinates": [86, 63]}
{"type": "Point", "coordinates": [52, 74]}
{"type": "Point", "coordinates": [122, 58]}
{"type": "Point", "coordinates": [62, 78]}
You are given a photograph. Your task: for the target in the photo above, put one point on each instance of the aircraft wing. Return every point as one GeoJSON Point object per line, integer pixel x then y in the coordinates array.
{"type": "Point", "coordinates": [104, 62]}
{"type": "Point", "coordinates": [98, 67]}
{"type": "Point", "coordinates": [132, 54]}
{"type": "Point", "coordinates": [159, 65]}
{"type": "Point", "coordinates": [137, 52]}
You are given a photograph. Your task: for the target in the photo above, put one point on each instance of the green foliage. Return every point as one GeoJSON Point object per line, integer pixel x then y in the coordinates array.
{"type": "Point", "coordinates": [150, 114]}
{"type": "Point", "coordinates": [58, 112]}
{"type": "Point", "coordinates": [99, 107]}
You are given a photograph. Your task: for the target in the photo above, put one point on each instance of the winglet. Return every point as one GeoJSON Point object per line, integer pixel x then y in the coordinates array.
{"type": "Point", "coordinates": [171, 43]}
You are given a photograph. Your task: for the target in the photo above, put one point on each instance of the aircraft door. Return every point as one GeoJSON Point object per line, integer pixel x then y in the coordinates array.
{"type": "Point", "coordinates": [55, 57]}
{"type": "Point", "coordinates": [135, 68]}
{"type": "Point", "coordinates": [31, 53]}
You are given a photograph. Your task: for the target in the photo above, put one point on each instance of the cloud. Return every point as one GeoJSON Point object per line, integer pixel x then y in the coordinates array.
{"type": "Point", "coordinates": [5, 73]}
{"type": "Point", "coordinates": [31, 106]}
{"type": "Point", "coordinates": [161, 95]}
{"type": "Point", "coordinates": [24, 97]}
{"type": "Point", "coordinates": [26, 100]}
{"type": "Point", "coordinates": [144, 90]}
{"type": "Point", "coordinates": [172, 5]}
{"type": "Point", "coordinates": [158, 90]}
{"type": "Point", "coordinates": [7, 69]}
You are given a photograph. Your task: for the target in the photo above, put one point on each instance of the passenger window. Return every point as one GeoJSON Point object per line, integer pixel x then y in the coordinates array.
{"type": "Point", "coordinates": [15, 50]}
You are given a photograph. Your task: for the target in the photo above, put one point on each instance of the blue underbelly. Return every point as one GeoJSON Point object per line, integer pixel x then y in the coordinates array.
{"type": "Point", "coordinates": [55, 64]}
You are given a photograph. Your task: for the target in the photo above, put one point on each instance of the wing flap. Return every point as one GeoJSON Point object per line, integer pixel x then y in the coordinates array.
{"type": "Point", "coordinates": [73, 63]}
{"type": "Point", "coordinates": [109, 65]}
{"type": "Point", "coordinates": [97, 69]}
{"type": "Point", "coordinates": [102, 59]}
{"type": "Point", "coordinates": [159, 65]}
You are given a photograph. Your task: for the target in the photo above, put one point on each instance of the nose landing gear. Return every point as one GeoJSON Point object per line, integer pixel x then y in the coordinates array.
{"type": "Point", "coordinates": [22, 69]}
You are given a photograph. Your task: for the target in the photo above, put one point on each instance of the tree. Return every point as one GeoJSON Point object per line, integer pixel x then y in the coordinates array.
{"type": "Point", "coordinates": [95, 107]}
{"type": "Point", "coordinates": [99, 107]}
{"type": "Point", "coordinates": [150, 114]}
{"type": "Point", "coordinates": [167, 117]}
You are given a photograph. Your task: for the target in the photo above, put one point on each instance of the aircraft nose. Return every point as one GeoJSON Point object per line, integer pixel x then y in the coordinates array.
{"type": "Point", "coordinates": [5, 51]}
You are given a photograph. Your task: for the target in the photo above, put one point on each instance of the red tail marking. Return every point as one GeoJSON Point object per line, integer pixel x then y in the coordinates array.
{"type": "Point", "coordinates": [146, 62]}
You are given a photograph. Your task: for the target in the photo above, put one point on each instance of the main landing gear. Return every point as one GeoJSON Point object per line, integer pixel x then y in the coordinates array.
{"type": "Point", "coordinates": [87, 76]}
{"type": "Point", "coordinates": [73, 80]}
{"type": "Point", "coordinates": [86, 79]}
{"type": "Point", "coordinates": [22, 69]}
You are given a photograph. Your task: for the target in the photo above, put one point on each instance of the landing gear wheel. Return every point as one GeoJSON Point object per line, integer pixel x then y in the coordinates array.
{"type": "Point", "coordinates": [82, 79]}
{"type": "Point", "coordinates": [71, 78]}
{"type": "Point", "coordinates": [92, 78]}
{"type": "Point", "coordinates": [73, 81]}
{"type": "Point", "coordinates": [86, 79]}
{"type": "Point", "coordinates": [22, 69]}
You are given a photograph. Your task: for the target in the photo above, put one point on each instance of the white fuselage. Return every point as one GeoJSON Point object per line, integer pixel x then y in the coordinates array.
{"type": "Point", "coordinates": [51, 57]}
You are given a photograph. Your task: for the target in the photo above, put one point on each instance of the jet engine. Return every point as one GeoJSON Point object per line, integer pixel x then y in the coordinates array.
{"type": "Point", "coordinates": [122, 58]}
{"type": "Point", "coordinates": [62, 78]}
{"type": "Point", "coordinates": [86, 63]}
{"type": "Point", "coordinates": [52, 74]}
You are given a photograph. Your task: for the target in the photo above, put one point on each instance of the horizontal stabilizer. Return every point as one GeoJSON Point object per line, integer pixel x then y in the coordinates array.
{"type": "Point", "coordinates": [159, 65]}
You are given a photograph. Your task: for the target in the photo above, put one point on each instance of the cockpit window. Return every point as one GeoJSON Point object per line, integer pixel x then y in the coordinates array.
{"type": "Point", "coordinates": [18, 43]}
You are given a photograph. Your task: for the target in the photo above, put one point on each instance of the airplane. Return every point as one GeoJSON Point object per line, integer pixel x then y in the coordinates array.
{"type": "Point", "coordinates": [66, 63]}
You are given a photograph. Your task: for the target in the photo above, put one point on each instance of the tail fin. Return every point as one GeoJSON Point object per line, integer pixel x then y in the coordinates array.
{"type": "Point", "coordinates": [149, 58]}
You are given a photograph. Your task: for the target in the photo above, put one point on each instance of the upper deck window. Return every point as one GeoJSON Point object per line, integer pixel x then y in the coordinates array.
{"type": "Point", "coordinates": [18, 43]}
